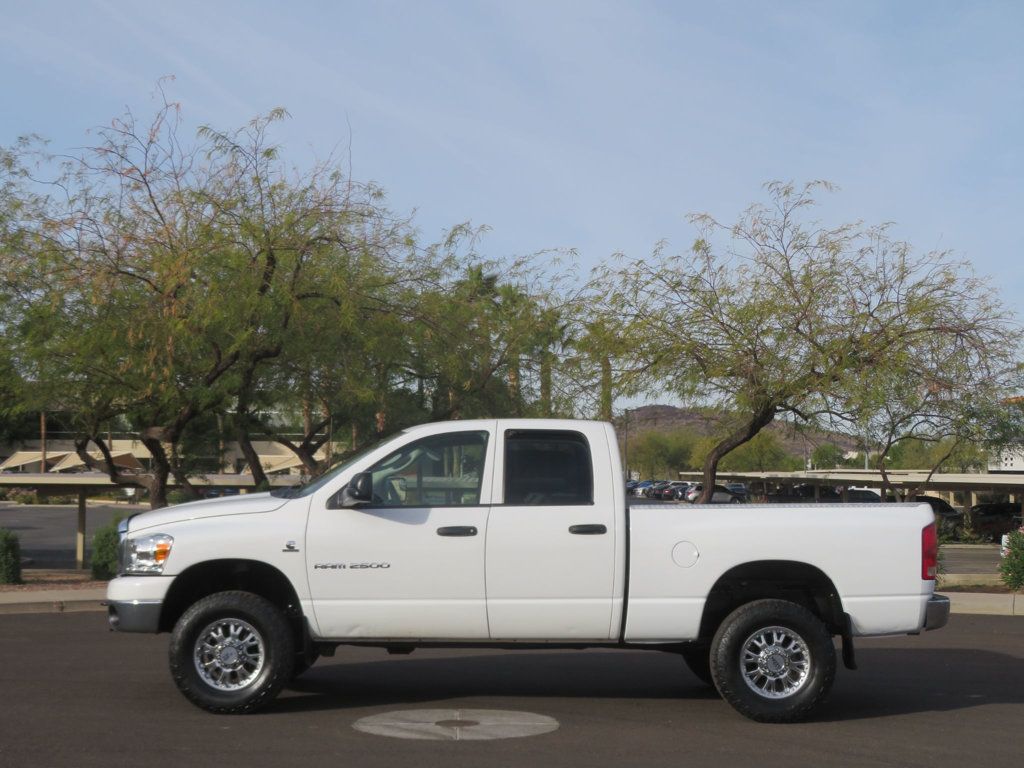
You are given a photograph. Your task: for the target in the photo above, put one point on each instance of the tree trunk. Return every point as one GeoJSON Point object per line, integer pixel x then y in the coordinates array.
{"type": "Point", "coordinates": [42, 440]}
{"type": "Point", "coordinates": [605, 409]}
{"type": "Point", "coordinates": [760, 419]}
{"type": "Point", "coordinates": [160, 471]}
{"type": "Point", "coordinates": [181, 477]}
{"type": "Point", "coordinates": [514, 388]}
{"type": "Point", "coordinates": [154, 482]}
{"type": "Point", "coordinates": [259, 477]}
{"type": "Point", "coordinates": [545, 384]}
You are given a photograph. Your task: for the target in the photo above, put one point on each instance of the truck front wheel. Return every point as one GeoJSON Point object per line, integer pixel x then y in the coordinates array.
{"type": "Point", "coordinates": [773, 661]}
{"type": "Point", "coordinates": [232, 652]}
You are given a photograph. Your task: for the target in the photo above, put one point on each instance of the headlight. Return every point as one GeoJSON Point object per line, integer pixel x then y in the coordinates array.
{"type": "Point", "coordinates": [146, 554]}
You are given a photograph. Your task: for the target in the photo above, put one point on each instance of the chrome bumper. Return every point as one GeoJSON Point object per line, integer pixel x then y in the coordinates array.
{"type": "Point", "coordinates": [134, 615]}
{"type": "Point", "coordinates": [937, 612]}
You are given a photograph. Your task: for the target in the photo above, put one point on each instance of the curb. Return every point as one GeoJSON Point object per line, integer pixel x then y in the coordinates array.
{"type": "Point", "coordinates": [52, 606]}
{"type": "Point", "coordinates": [986, 603]}
{"type": "Point", "coordinates": [968, 580]}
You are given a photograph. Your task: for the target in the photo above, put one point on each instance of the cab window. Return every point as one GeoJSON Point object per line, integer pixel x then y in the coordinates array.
{"type": "Point", "coordinates": [437, 471]}
{"type": "Point", "coordinates": [547, 468]}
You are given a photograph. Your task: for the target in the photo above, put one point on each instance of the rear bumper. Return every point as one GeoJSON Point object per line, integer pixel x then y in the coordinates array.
{"type": "Point", "coordinates": [936, 612]}
{"type": "Point", "coordinates": [135, 615]}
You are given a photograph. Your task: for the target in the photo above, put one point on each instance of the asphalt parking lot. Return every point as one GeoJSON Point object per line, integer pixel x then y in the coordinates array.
{"type": "Point", "coordinates": [47, 531]}
{"type": "Point", "coordinates": [75, 694]}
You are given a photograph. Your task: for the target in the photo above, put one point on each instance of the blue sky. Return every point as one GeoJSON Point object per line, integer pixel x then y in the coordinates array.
{"type": "Point", "coordinates": [587, 125]}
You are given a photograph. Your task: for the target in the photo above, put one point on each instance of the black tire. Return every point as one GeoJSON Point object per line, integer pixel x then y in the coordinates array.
{"type": "Point", "coordinates": [798, 666]}
{"type": "Point", "coordinates": [698, 659]}
{"type": "Point", "coordinates": [255, 625]}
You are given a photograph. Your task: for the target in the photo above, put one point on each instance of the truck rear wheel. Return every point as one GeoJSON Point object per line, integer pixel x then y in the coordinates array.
{"type": "Point", "coordinates": [773, 661]}
{"type": "Point", "coordinates": [232, 652]}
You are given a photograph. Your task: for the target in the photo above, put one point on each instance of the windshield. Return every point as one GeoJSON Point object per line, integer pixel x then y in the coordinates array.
{"type": "Point", "coordinates": [316, 484]}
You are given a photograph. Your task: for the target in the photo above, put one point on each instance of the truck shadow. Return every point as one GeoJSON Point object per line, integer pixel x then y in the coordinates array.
{"type": "Point", "coordinates": [889, 681]}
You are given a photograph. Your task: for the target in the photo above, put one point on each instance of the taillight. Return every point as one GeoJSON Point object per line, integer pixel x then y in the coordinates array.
{"type": "Point", "coordinates": [929, 553]}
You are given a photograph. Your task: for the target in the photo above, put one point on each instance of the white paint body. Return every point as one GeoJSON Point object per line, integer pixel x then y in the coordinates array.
{"type": "Point", "coordinates": [524, 576]}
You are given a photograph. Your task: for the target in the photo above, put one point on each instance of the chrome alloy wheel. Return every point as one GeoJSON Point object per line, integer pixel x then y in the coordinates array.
{"type": "Point", "coordinates": [229, 654]}
{"type": "Point", "coordinates": [775, 661]}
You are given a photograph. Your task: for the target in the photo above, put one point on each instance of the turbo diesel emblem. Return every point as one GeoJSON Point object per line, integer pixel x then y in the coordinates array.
{"type": "Point", "coordinates": [348, 566]}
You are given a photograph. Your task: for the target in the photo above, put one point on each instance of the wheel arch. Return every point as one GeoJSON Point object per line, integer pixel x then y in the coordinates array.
{"type": "Point", "coordinates": [798, 582]}
{"type": "Point", "coordinates": [206, 578]}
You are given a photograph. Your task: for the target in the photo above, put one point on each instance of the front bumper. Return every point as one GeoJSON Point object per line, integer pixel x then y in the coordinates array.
{"type": "Point", "coordinates": [134, 603]}
{"type": "Point", "coordinates": [936, 612]}
{"type": "Point", "coordinates": [134, 615]}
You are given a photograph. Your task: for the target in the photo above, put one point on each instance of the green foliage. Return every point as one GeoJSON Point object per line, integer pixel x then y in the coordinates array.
{"type": "Point", "coordinates": [779, 314]}
{"type": "Point", "coordinates": [179, 496]}
{"type": "Point", "coordinates": [762, 453]}
{"type": "Point", "coordinates": [660, 454]}
{"type": "Point", "coordinates": [104, 551]}
{"type": "Point", "coordinates": [827, 456]}
{"type": "Point", "coordinates": [1012, 566]}
{"type": "Point", "coordinates": [10, 558]}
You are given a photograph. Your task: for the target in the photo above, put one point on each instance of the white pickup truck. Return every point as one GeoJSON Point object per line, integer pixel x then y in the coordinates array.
{"type": "Point", "coordinates": [518, 534]}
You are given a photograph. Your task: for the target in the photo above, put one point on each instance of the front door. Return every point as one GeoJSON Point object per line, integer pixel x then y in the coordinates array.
{"type": "Point", "coordinates": [409, 565]}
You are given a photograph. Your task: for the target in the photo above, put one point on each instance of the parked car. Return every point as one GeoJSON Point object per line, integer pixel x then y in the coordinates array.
{"type": "Point", "coordinates": [804, 494]}
{"type": "Point", "coordinates": [947, 519]}
{"type": "Point", "coordinates": [639, 488]}
{"type": "Point", "coordinates": [721, 494]}
{"type": "Point", "coordinates": [863, 496]}
{"type": "Point", "coordinates": [680, 493]}
{"type": "Point", "coordinates": [668, 492]}
{"type": "Point", "coordinates": [651, 492]}
{"type": "Point", "coordinates": [991, 521]}
{"type": "Point", "coordinates": [740, 489]}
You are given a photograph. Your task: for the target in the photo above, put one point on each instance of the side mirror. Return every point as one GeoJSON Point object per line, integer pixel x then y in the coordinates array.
{"type": "Point", "coordinates": [358, 491]}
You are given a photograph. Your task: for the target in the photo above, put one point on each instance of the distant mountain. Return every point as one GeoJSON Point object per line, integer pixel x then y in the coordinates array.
{"type": "Point", "coordinates": [668, 418]}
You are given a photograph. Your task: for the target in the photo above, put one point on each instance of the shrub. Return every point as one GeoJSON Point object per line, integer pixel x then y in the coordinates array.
{"type": "Point", "coordinates": [1012, 566]}
{"type": "Point", "coordinates": [25, 497]}
{"type": "Point", "coordinates": [104, 551]}
{"type": "Point", "coordinates": [10, 558]}
{"type": "Point", "coordinates": [179, 496]}
{"type": "Point", "coordinates": [3, 494]}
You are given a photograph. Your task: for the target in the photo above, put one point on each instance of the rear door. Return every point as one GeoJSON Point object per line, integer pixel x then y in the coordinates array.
{"type": "Point", "coordinates": [551, 535]}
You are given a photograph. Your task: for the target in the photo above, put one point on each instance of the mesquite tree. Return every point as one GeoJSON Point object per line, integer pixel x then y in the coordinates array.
{"type": "Point", "coordinates": [779, 314]}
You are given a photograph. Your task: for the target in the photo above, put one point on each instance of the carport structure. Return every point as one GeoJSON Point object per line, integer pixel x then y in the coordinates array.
{"type": "Point", "coordinates": [902, 482]}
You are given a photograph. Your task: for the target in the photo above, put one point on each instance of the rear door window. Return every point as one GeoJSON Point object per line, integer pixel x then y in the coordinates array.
{"type": "Point", "coordinates": [546, 467]}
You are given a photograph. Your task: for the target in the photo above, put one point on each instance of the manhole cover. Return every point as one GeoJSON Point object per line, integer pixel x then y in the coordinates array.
{"type": "Point", "coordinates": [456, 724]}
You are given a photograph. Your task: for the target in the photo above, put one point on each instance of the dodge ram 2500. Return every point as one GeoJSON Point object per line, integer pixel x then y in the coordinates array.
{"type": "Point", "coordinates": [518, 534]}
